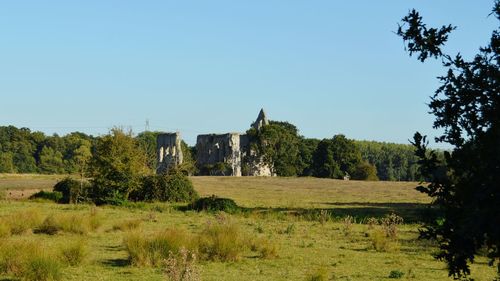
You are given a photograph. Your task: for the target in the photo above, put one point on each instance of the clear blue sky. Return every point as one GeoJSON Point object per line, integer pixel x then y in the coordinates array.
{"type": "Point", "coordinates": [209, 66]}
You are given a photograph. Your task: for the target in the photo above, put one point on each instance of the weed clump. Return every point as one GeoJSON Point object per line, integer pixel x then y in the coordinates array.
{"type": "Point", "coordinates": [390, 223]}
{"type": "Point", "coordinates": [182, 266]}
{"type": "Point", "coordinates": [347, 223]}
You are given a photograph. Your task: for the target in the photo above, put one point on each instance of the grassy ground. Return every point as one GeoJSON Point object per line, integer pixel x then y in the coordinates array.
{"type": "Point", "coordinates": [341, 250]}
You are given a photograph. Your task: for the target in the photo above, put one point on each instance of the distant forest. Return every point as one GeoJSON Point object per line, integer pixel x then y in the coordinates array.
{"type": "Point", "coordinates": [26, 151]}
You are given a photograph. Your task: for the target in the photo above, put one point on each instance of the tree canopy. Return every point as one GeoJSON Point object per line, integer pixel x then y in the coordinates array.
{"type": "Point", "coordinates": [467, 107]}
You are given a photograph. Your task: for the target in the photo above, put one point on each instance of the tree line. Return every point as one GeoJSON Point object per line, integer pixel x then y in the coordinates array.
{"type": "Point", "coordinates": [279, 143]}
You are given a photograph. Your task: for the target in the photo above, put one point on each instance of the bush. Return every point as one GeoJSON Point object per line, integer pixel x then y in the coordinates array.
{"type": "Point", "coordinates": [396, 274]}
{"type": "Point", "coordinates": [54, 196]}
{"type": "Point", "coordinates": [221, 240]}
{"type": "Point", "coordinates": [172, 187]}
{"type": "Point", "coordinates": [153, 249]}
{"type": "Point", "coordinates": [216, 204]}
{"type": "Point", "coordinates": [72, 191]}
{"type": "Point", "coordinates": [74, 253]}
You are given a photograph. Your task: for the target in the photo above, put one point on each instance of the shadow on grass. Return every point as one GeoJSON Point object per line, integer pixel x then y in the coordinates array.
{"type": "Point", "coordinates": [116, 262]}
{"type": "Point", "coordinates": [361, 211]}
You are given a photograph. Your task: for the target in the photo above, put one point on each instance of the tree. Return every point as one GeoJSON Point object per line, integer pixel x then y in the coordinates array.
{"type": "Point", "coordinates": [278, 144]}
{"type": "Point", "coordinates": [466, 185]}
{"type": "Point", "coordinates": [116, 166]}
{"type": "Point", "coordinates": [6, 162]}
{"type": "Point", "coordinates": [335, 157]}
{"type": "Point", "coordinates": [51, 161]}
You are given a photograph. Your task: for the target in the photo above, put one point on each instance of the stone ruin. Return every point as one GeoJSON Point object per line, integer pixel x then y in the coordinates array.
{"type": "Point", "coordinates": [169, 151]}
{"type": "Point", "coordinates": [217, 154]}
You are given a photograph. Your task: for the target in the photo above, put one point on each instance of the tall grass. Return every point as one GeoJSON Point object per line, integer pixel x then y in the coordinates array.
{"type": "Point", "coordinates": [74, 253]}
{"type": "Point", "coordinates": [69, 223]}
{"type": "Point", "coordinates": [127, 225]}
{"type": "Point", "coordinates": [222, 240]}
{"type": "Point", "coordinates": [28, 261]}
{"type": "Point", "coordinates": [20, 222]}
{"type": "Point", "coordinates": [152, 249]}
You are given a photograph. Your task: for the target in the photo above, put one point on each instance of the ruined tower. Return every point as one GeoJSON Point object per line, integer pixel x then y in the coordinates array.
{"type": "Point", "coordinates": [169, 150]}
{"type": "Point", "coordinates": [261, 120]}
{"type": "Point", "coordinates": [227, 154]}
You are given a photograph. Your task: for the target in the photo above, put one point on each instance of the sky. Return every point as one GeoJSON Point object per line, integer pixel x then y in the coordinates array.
{"type": "Point", "coordinates": [199, 67]}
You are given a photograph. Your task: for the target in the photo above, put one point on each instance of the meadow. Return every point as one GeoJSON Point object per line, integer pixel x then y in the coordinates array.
{"type": "Point", "coordinates": [312, 229]}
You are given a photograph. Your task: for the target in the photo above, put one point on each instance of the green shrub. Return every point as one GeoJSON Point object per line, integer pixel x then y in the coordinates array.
{"type": "Point", "coordinates": [72, 191]}
{"type": "Point", "coordinates": [396, 274]}
{"type": "Point", "coordinates": [172, 187]}
{"type": "Point", "coordinates": [216, 204]}
{"type": "Point", "coordinates": [74, 253]}
{"type": "Point", "coordinates": [153, 249]}
{"type": "Point", "coordinates": [222, 240]}
{"type": "Point", "coordinates": [54, 196]}
{"type": "Point", "coordinates": [127, 225]}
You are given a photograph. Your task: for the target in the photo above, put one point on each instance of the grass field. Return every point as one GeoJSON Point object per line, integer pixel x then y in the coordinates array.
{"type": "Point", "coordinates": [277, 208]}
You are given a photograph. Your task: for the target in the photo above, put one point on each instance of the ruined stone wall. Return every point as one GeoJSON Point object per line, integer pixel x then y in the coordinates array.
{"type": "Point", "coordinates": [169, 149]}
{"type": "Point", "coordinates": [224, 148]}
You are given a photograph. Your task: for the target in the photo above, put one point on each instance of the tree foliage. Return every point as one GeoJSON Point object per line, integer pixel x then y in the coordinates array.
{"type": "Point", "coordinates": [336, 158]}
{"type": "Point", "coordinates": [116, 167]}
{"type": "Point", "coordinates": [278, 144]}
{"type": "Point", "coordinates": [467, 107]}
